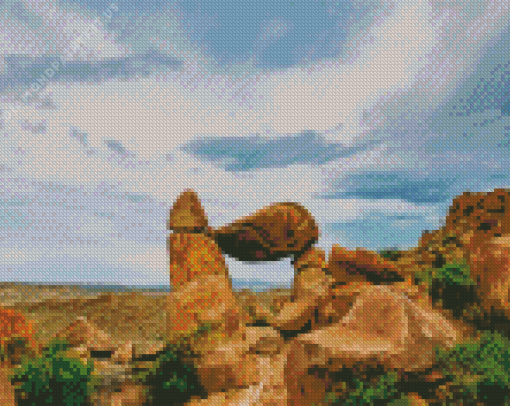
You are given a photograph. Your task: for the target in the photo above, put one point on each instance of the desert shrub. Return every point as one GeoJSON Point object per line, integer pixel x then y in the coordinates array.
{"type": "Point", "coordinates": [451, 286]}
{"type": "Point", "coordinates": [52, 378]}
{"type": "Point", "coordinates": [171, 377]}
{"type": "Point", "coordinates": [480, 371]}
{"type": "Point", "coordinates": [380, 389]}
{"type": "Point", "coordinates": [380, 392]}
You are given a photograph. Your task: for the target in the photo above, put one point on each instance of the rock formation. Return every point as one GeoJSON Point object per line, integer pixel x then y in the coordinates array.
{"type": "Point", "coordinates": [339, 312]}
{"type": "Point", "coordinates": [476, 230]}
{"type": "Point", "coordinates": [201, 297]}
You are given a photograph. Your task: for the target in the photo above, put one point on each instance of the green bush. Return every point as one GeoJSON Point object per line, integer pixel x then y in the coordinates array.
{"type": "Point", "coordinates": [172, 378]}
{"type": "Point", "coordinates": [53, 378]}
{"type": "Point", "coordinates": [480, 371]}
{"type": "Point", "coordinates": [380, 390]}
{"type": "Point", "coordinates": [450, 285]}
{"type": "Point", "coordinates": [369, 393]}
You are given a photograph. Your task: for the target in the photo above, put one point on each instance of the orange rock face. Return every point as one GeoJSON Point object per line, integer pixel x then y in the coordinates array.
{"type": "Point", "coordinates": [194, 255]}
{"type": "Point", "coordinates": [485, 219]}
{"type": "Point", "coordinates": [490, 269]}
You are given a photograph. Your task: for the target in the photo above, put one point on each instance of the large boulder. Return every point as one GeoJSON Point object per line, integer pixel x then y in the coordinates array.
{"type": "Point", "coordinates": [270, 234]}
{"type": "Point", "coordinates": [383, 327]}
{"type": "Point", "coordinates": [84, 333]}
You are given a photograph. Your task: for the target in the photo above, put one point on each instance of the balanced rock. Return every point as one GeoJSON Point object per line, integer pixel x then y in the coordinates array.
{"type": "Point", "coordinates": [203, 314]}
{"type": "Point", "coordinates": [270, 234]}
{"type": "Point", "coordinates": [383, 327]}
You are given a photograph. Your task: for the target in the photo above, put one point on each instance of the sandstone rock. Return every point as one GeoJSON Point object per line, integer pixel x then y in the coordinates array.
{"type": "Point", "coordinates": [311, 286]}
{"type": "Point", "coordinates": [142, 349]}
{"type": "Point", "coordinates": [475, 230]}
{"type": "Point", "coordinates": [201, 287]}
{"type": "Point", "coordinates": [337, 304]}
{"type": "Point", "coordinates": [312, 278]}
{"type": "Point", "coordinates": [187, 214]}
{"type": "Point", "coordinates": [262, 340]}
{"type": "Point", "coordinates": [126, 394]}
{"type": "Point", "coordinates": [383, 327]}
{"type": "Point", "coordinates": [490, 269]}
{"type": "Point", "coordinates": [361, 265]}
{"type": "Point", "coordinates": [193, 255]}
{"type": "Point", "coordinates": [202, 296]}
{"type": "Point", "coordinates": [234, 397]}
{"type": "Point", "coordinates": [256, 312]}
{"type": "Point", "coordinates": [206, 300]}
{"type": "Point", "coordinates": [269, 391]}
{"type": "Point", "coordinates": [274, 232]}
{"type": "Point", "coordinates": [227, 367]}
{"type": "Point", "coordinates": [484, 213]}
{"type": "Point", "coordinates": [123, 353]}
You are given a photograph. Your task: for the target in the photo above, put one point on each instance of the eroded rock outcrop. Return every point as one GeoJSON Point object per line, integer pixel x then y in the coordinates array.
{"type": "Point", "coordinates": [346, 319]}
{"type": "Point", "coordinates": [477, 228]}
{"type": "Point", "coordinates": [202, 297]}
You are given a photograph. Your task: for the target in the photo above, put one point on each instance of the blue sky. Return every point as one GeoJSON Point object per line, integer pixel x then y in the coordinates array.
{"type": "Point", "coordinates": [372, 114]}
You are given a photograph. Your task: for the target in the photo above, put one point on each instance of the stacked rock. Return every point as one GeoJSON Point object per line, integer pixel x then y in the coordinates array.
{"type": "Point", "coordinates": [202, 296]}
{"type": "Point", "coordinates": [354, 308]}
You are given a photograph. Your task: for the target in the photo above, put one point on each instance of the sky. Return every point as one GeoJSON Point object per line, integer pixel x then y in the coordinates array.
{"type": "Point", "coordinates": [372, 114]}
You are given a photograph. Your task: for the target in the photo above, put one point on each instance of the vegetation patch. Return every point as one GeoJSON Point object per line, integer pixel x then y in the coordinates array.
{"type": "Point", "coordinates": [53, 379]}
